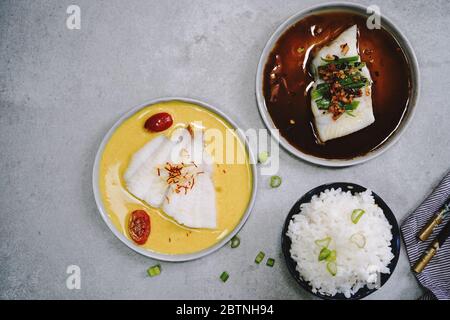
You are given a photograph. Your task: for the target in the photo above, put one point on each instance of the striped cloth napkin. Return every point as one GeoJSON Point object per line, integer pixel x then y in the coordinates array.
{"type": "Point", "coordinates": [436, 276]}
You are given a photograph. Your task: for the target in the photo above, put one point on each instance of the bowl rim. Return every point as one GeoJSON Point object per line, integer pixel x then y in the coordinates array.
{"type": "Point", "coordinates": [121, 236]}
{"type": "Point", "coordinates": [352, 187]}
{"type": "Point", "coordinates": [412, 102]}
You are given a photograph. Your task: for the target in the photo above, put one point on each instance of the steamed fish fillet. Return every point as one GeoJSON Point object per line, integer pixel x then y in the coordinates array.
{"type": "Point", "coordinates": [141, 176]}
{"type": "Point", "coordinates": [196, 207]}
{"type": "Point", "coordinates": [327, 128]}
{"type": "Point", "coordinates": [147, 178]}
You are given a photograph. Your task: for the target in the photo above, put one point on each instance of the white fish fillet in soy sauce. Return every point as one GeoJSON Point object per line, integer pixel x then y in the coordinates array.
{"type": "Point", "coordinates": [328, 128]}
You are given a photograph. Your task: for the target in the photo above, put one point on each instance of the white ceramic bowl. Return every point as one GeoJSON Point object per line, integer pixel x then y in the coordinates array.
{"type": "Point", "coordinates": [387, 25]}
{"type": "Point", "coordinates": [122, 237]}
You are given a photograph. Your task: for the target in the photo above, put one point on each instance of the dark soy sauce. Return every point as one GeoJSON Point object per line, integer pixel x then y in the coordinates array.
{"type": "Point", "coordinates": [290, 107]}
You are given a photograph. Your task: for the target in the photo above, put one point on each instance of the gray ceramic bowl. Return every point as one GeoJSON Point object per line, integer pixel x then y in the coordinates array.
{"type": "Point", "coordinates": [123, 238]}
{"type": "Point", "coordinates": [387, 25]}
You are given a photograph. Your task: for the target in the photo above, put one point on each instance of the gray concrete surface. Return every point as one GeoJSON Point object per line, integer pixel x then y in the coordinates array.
{"type": "Point", "coordinates": [60, 90]}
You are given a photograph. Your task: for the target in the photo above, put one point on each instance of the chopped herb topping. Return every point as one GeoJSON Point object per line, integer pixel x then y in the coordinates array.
{"type": "Point", "coordinates": [342, 83]}
{"type": "Point", "coordinates": [332, 268]}
{"type": "Point", "coordinates": [357, 214]}
{"type": "Point", "coordinates": [181, 176]}
{"type": "Point", "coordinates": [332, 256]}
{"type": "Point", "coordinates": [327, 255]}
{"type": "Point", "coordinates": [263, 157]}
{"type": "Point", "coordinates": [323, 242]}
{"type": "Point", "coordinates": [324, 254]}
{"type": "Point", "coordinates": [344, 48]}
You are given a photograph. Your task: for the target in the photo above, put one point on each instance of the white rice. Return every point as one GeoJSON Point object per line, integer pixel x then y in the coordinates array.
{"type": "Point", "coordinates": [329, 215]}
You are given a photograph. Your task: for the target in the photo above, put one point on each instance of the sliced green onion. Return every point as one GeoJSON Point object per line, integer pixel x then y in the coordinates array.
{"type": "Point", "coordinates": [348, 59]}
{"type": "Point", "coordinates": [341, 60]}
{"type": "Point", "coordinates": [323, 103]}
{"type": "Point", "coordinates": [332, 268]}
{"type": "Point", "coordinates": [358, 65]}
{"type": "Point", "coordinates": [350, 113]}
{"type": "Point", "coordinates": [263, 156]}
{"type": "Point", "coordinates": [325, 242]}
{"type": "Point", "coordinates": [275, 181]}
{"type": "Point", "coordinates": [332, 256]}
{"type": "Point", "coordinates": [346, 81]}
{"type": "Point", "coordinates": [224, 276]}
{"type": "Point", "coordinates": [356, 215]}
{"type": "Point", "coordinates": [260, 257]}
{"type": "Point", "coordinates": [320, 90]}
{"type": "Point", "coordinates": [154, 270]}
{"type": "Point", "coordinates": [315, 94]}
{"type": "Point", "coordinates": [356, 85]}
{"type": "Point", "coordinates": [270, 262]}
{"type": "Point", "coordinates": [235, 242]}
{"type": "Point", "coordinates": [359, 240]}
{"type": "Point", "coordinates": [352, 106]}
{"type": "Point", "coordinates": [324, 254]}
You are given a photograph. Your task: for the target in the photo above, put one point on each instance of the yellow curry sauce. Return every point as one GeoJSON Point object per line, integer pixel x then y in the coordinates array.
{"type": "Point", "coordinates": [233, 182]}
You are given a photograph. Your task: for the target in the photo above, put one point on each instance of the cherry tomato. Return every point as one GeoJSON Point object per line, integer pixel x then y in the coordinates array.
{"type": "Point", "coordinates": [139, 226]}
{"type": "Point", "coordinates": [159, 122]}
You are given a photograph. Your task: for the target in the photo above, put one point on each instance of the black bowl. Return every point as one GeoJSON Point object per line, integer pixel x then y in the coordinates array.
{"type": "Point", "coordinates": [353, 188]}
